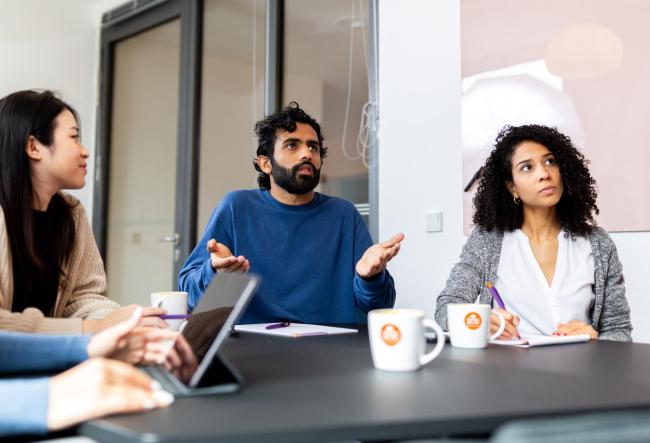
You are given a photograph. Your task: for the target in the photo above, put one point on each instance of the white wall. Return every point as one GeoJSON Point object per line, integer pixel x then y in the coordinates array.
{"type": "Point", "coordinates": [420, 161]}
{"type": "Point", "coordinates": [420, 155]}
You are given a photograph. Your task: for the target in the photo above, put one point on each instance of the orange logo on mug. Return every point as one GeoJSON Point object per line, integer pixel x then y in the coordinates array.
{"type": "Point", "coordinates": [390, 334]}
{"type": "Point", "coordinates": [473, 320]}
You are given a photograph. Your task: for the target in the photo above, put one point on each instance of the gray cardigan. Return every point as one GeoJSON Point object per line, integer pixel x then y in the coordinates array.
{"type": "Point", "coordinates": [479, 261]}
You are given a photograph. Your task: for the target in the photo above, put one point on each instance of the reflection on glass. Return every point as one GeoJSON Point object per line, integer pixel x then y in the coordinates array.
{"type": "Point", "coordinates": [232, 100]}
{"type": "Point", "coordinates": [142, 182]}
{"type": "Point", "coordinates": [202, 328]}
{"type": "Point", "coordinates": [580, 69]}
{"type": "Point", "coordinates": [326, 72]}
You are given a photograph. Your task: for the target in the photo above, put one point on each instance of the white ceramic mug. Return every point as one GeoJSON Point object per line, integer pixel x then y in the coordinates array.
{"type": "Point", "coordinates": [469, 325]}
{"type": "Point", "coordinates": [397, 339]}
{"type": "Point", "coordinates": [174, 302]}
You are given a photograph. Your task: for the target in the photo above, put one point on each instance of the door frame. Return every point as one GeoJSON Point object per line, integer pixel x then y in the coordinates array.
{"type": "Point", "coordinates": [120, 24]}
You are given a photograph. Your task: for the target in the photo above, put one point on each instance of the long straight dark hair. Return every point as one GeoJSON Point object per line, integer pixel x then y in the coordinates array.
{"type": "Point", "coordinates": [24, 114]}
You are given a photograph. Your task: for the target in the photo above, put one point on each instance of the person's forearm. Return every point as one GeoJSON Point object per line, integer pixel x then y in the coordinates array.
{"type": "Point", "coordinates": [376, 293]}
{"type": "Point", "coordinates": [623, 335]}
{"type": "Point", "coordinates": [23, 409]}
{"type": "Point", "coordinates": [21, 352]}
{"type": "Point", "coordinates": [463, 286]}
{"type": "Point", "coordinates": [194, 279]}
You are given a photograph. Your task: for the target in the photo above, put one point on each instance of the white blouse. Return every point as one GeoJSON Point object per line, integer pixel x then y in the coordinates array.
{"type": "Point", "coordinates": [526, 293]}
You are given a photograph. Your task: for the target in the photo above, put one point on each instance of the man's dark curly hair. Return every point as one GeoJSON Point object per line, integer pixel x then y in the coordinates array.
{"type": "Point", "coordinates": [494, 207]}
{"type": "Point", "coordinates": [266, 131]}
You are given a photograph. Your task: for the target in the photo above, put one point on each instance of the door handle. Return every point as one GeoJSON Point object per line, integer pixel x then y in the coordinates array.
{"type": "Point", "coordinates": [171, 239]}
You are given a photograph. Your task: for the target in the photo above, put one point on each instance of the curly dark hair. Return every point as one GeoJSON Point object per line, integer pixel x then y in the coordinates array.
{"type": "Point", "coordinates": [494, 207]}
{"type": "Point", "coordinates": [266, 131]}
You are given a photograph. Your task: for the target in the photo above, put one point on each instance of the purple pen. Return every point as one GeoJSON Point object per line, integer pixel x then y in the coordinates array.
{"type": "Point", "coordinates": [495, 295]}
{"type": "Point", "coordinates": [283, 324]}
{"type": "Point", "coordinates": [174, 316]}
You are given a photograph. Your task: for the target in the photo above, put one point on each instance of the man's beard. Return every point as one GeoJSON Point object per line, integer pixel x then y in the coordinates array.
{"type": "Point", "coordinates": [290, 181]}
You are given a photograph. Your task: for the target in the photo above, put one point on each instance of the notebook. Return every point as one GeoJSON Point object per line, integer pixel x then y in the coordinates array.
{"type": "Point", "coordinates": [211, 322]}
{"type": "Point", "coordinates": [293, 330]}
{"type": "Point", "coordinates": [531, 340]}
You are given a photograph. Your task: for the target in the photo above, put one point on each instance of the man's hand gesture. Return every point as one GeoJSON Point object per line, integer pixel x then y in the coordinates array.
{"type": "Point", "coordinates": [377, 256]}
{"type": "Point", "coordinates": [222, 259]}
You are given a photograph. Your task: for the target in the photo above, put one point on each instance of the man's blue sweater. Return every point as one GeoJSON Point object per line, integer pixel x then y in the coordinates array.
{"type": "Point", "coordinates": [306, 255]}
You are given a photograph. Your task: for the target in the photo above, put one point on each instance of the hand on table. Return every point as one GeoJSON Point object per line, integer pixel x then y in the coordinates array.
{"type": "Point", "coordinates": [127, 342]}
{"type": "Point", "coordinates": [512, 321]}
{"type": "Point", "coordinates": [376, 257]}
{"type": "Point", "coordinates": [99, 387]}
{"type": "Point", "coordinates": [222, 260]}
{"type": "Point", "coordinates": [575, 327]}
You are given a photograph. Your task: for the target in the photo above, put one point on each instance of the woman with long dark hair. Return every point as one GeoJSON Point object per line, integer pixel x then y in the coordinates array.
{"type": "Point", "coordinates": [536, 242]}
{"type": "Point", "coordinates": [51, 274]}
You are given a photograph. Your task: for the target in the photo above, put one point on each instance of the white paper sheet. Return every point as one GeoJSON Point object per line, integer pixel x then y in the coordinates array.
{"type": "Point", "coordinates": [530, 340]}
{"type": "Point", "coordinates": [294, 329]}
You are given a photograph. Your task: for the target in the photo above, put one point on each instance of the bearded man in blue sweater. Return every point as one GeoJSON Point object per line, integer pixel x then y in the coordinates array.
{"type": "Point", "coordinates": [313, 251]}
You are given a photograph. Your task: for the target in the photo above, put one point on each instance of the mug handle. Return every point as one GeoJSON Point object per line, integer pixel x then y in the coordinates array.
{"type": "Point", "coordinates": [501, 327]}
{"type": "Point", "coordinates": [440, 341]}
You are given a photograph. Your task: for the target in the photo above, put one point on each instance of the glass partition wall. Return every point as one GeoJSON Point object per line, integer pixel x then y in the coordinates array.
{"type": "Point", "coordinates": [141, 194]}
{"type": "Point", "coordinates": [326, 72]}
{"type": "Point", "coordinates": [232, 98]}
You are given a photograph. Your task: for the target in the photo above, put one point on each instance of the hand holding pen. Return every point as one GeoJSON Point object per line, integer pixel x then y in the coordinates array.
{"type": "Point", "coordinates": [512, 321]}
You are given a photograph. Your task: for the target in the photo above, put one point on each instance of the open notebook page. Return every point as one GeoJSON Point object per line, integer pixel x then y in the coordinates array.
{"type": "Point", "coordinates": [531, 340]}
{"type": "Point", "coordinates": [294, 330]}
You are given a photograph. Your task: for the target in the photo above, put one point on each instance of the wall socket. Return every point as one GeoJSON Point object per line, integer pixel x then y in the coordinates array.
{"type": "Point", "coordinates": [433, 221]}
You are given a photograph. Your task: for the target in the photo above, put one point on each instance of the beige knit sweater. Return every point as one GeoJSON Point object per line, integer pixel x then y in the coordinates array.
{"type": "Point", "coordinates": [81, 288]}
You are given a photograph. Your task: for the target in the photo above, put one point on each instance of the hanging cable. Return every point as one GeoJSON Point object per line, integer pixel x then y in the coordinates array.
{"type": "Point", "coordinates": [254, 74]}
{"type": "Point", "coordinates": [357, 155]}
{"type": "Point", "coordinates": [363, 143]}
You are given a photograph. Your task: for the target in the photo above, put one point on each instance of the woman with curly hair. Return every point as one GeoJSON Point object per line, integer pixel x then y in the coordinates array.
{"type": "Point", "coordinates": [536, 241]}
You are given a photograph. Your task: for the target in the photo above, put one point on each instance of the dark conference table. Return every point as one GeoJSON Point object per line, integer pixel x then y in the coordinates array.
{"type": "Point", "coordinates": [326, 389]}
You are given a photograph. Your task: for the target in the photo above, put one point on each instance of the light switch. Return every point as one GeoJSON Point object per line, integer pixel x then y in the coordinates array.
{"type": "Point", "coordinates": [433, 221]}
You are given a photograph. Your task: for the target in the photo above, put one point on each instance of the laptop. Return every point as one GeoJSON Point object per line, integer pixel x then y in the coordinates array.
{"type": "Point", "coordinates": [210, 323]}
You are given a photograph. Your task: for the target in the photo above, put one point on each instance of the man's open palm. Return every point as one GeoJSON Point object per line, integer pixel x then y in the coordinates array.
{"type": "Point", "coordinates": [376, 257]}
